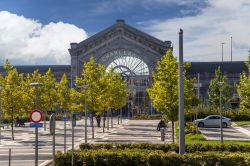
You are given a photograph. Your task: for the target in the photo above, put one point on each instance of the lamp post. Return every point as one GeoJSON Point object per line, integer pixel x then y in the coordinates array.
{"type": "Point", "coordinates": [181, 97]}
{"type": "Point", "coordinates": [36, 84]}
{"type": "Point", "coordinates": [1, 88]}
{"type": "Point", "coordinates": [222, 50]}
{"type": "Point", "coordinates": [221, 127]}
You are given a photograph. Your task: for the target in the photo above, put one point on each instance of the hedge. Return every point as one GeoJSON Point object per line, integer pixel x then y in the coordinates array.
{"type": "Point", "coordinates": [150, 158]}
{"type": "Point", "coordinates": [169, 147]}
{"type": "Point", "coordinates": [147, 117]}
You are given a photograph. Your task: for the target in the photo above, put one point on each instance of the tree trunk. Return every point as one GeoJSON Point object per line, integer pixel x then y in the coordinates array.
{"type": "Point", "coordinates": [92, 125]}
{"type": "Point", "coordinates": [118, 118]}
{"type": "Point", "coordinates": [111, 114]}
{"type": "Point", "coordinates": [172, 131]}
{"type": "Point", "coordinates": [107, 120]}
{"type": "Point", "coordinates": [121, 114]}
{"type": "Point", "coordinates": [104, 121]}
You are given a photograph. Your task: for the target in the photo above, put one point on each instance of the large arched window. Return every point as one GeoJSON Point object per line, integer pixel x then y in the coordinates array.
{"type": "Point", "coordinates": [129, 66]}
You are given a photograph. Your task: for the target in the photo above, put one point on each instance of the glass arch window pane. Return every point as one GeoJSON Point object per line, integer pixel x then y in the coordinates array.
{"type": "Point", "coordinates": [129, 65]}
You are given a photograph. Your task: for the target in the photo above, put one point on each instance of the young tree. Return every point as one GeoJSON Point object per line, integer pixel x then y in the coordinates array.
{"type": "Point", "coordinates": [243, 89]}
{"type": "Point", "coordinates": [219, 83]}
{"type": "Point", "coordinates": [114, 93]}
{"type": "Point", "coordinates": [117, 92]}
{"type": "Point", "coordinates": [164, 91]}
{"type": "Point", "coordinates": [91, 77]}
{"type": "Point", "coordinates": [63, 93]}
{"type": "Point", "coordinates": [12, 95]}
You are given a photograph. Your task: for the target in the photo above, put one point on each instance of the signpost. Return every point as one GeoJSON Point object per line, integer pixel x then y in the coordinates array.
{"type": "Point", "coordinates": [36, 117]}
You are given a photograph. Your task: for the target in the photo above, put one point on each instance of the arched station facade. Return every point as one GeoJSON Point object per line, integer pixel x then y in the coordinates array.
{"type": "Point", "coordinates": [130, 52]}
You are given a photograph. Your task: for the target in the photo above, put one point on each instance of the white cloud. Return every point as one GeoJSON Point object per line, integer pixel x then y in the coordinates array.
{"type": "Point", "coordinates": [204, 32]}
{"type": "Point", "coordinates": [27, 41]}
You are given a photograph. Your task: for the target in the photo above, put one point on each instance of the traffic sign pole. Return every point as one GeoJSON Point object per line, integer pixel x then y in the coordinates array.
{"type": "Point", "coordinates": [36, 132]}
{"type": "Point", "coordinates": [36, 117]}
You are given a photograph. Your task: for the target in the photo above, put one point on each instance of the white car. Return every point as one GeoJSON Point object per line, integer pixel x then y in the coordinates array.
{"type": "Point", "coordinates": [213, 121]}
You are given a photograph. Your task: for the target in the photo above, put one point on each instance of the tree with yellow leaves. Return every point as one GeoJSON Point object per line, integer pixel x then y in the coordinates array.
{"type": "Point", "coordinates": [164, 91]}
{"type": "Point", "coordinates": [13, 95]}
{"type": "Point", "coordinates": [91, 78]}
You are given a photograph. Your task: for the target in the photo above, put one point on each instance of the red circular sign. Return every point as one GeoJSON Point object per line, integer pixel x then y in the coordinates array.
{"type": "Point", "coordinates": [36, 116]}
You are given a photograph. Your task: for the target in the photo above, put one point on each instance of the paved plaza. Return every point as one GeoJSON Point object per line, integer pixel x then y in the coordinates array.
{"type": "Point", "coordinates": [23, 147]}
{"type": "Point", "coordinates": [135, 131]}
{"type": "Point", "coordinates": [230, 133]}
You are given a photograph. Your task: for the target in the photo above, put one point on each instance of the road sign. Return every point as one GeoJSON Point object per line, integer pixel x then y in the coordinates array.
{"type": "Point", "coordinates": [64, 119]}
{"type": "Point", "coordinates": [37, 125]}
{"type": "Point", "coordinates": [36, 116]}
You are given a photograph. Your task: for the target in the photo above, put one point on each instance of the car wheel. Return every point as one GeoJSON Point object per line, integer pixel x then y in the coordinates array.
{"type": "Point", "coordinates": [224, 124]}
{"type": "Point", "coordinates": [200, 124]}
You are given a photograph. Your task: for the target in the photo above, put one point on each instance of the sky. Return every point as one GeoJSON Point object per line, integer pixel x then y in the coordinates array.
{"type": "Point", "coordinates": [39, 32]}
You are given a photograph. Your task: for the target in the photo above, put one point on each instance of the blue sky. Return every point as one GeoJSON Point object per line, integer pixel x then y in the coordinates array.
{"type": "Point", "coordinates": [94, 15]}
{"type": "Point", "coordinates": [39, 31]}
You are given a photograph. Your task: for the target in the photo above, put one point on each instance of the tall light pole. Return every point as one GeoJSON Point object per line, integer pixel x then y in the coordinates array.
{"type": "Point", "coordinates": [36, 84]}
{"type": "Point", "coordinates": [231, 48]}
{"type": "Point", "coordinates": [222, 50]}
{"type": "Point", "coordinates": [1, 88]}
{"type": "Point", "coordinates": [221, 127]}
{"type": "Point", "coordinates": [181, 97]}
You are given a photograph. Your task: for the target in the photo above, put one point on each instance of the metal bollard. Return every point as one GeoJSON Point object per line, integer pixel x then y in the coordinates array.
{"type": "Point", "coordinates": [162, 130]}
{"type": "Point", "coordinates": [9, 157]}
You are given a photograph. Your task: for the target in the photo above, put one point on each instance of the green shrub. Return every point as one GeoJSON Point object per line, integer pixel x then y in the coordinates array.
{"type": "Point", "coordinates": [148, 117]}
{"type": "Point", "coordinates": [151, 158]}
{"type": "Point", "coordinates": [168, 147]}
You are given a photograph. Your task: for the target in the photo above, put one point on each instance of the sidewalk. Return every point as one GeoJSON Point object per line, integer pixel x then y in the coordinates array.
{"type": "Point", "coordinates": [22, 147]}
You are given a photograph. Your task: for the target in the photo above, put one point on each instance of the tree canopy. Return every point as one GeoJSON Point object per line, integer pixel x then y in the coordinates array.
{"type": "Point", "coordinates": [219, 82]}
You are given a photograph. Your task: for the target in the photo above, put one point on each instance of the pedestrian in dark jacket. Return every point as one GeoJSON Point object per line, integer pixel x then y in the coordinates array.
{"type": "Point", "coordinates": [98, 120]}
{"type": "Point", "coordinates": [161, 124]}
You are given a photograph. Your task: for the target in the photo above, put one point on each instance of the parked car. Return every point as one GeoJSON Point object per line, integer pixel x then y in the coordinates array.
{"type": "Point", "coordinates": [213, 121]}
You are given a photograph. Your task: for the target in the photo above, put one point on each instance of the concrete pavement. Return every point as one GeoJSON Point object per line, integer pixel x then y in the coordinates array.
{"type": "Point", "coordinates": [130, 131]}
{"type": "Point", "coordinates": [22, 147]}
{"type": "Point", "coordinates": [135, 131]}
{"type": "Point", "coordinates": [229, 133]}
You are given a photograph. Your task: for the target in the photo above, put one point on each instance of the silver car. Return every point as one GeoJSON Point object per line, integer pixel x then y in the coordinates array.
{"type": "Point", "coordinates": [213, 121]}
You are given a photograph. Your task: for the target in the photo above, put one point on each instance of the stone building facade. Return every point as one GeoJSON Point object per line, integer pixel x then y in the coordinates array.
{"type": "Point", "coordinates": [134, 54]}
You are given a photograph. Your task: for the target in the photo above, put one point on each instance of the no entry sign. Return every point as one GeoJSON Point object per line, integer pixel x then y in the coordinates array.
{"type": "Point", "coordinates": [36, 116]}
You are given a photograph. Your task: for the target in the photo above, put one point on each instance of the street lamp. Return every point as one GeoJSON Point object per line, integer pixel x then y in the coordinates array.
{"type": "Point", "coordinates": [222, 50]}
{"type": "Point", "coordinates": [36, 84]}
{"type": "Point", "coordinates": [1, 88]}
{"type": "Point", "coordinates": [221, 129]}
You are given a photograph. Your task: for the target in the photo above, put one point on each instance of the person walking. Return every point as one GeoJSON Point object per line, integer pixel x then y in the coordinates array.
{"type": "Point", "coordinates": [98, 120]}
{"type": "Point", "coordinates": [161, 124]}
